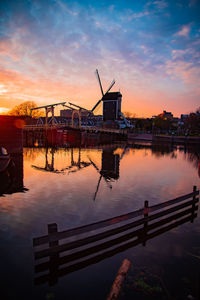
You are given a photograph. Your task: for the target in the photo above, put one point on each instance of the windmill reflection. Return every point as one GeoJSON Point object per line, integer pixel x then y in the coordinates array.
{"type": "Point", "coordinates": [109, 167]}
{"type": "Point", "coordinates": [136, 228]}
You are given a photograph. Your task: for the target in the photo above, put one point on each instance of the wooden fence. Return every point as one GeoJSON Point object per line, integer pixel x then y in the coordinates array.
{"type": "Point", "coordinates": [92, 247]}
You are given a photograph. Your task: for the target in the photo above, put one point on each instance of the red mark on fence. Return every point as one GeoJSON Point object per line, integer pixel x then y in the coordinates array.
{"type": "Point", "coordinates": [146, 210]}
{"type": "Point", "coordinates": [118, 219]}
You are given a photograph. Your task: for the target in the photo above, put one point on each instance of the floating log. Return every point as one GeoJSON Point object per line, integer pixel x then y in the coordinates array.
{"type": "Point", "coordinates": [117, 284]}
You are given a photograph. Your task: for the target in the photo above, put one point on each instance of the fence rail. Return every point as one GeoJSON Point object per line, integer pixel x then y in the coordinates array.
{"type": "Point", "coordinates": [131, 235]}
{"type": "Point", "coordinates": [97, 225]}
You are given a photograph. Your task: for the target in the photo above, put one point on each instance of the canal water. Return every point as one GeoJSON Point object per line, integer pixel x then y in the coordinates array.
{"type": "Point", "coordinates": [73, 187]}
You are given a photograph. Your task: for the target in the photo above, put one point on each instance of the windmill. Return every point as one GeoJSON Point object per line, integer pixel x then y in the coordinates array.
{"type": "Point", "coordinates": [112, 105]}
{"type": "Point", "coordinates": [102, 92]}
{"type": "Point", "coordinates": [101, 88]}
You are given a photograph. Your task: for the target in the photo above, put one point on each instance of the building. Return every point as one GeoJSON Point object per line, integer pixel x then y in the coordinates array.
{"type": "Point", "coordinates": [87, 118]}
{"type": "Point", "coordinates": [66, 113]}
{"type": "Point", "coordinates": [11, 133]}
{"type": "Point", "coordinates": [166, 115]}
{"type": "Point", "coordinates": [112, 106]}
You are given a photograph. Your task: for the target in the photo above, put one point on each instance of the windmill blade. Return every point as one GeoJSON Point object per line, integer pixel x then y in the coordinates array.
{"type": "Point", "coordinates": [94, 165]}
{"type": "Point", "coordinates": [97, 188]}
{"type": "Point", "coordinates": [96, 105]}
{"type": "Point", "coordinates": [111, 85]}
{"type": "Point", "coordinates": [125, 150]}
{"type": "Point", "coordinates": [105, 179]}
{"type": "Point", "coordinates": [98, 77]}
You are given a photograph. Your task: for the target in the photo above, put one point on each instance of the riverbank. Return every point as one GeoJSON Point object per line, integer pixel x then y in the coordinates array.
{"type": "Point", "coordinates": [163, 139]}
{"type": "Point", "coordinates": [180, 140]}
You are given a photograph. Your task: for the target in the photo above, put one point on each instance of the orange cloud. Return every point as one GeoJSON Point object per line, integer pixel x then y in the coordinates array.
{"type": "Point", "coordinates": [6, 49]}
{"type": "Point", "coordinates": [3, 110]}
{"type": "Point", "coordinates": [50, 81]}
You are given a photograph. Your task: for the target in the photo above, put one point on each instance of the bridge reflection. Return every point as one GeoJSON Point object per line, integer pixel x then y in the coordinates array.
{"type": "Point", "coordinates": [109, 171]}
{"type": "Point", "coordinates": [73, 167]}
{"type": "Point", "coordinates": [91, 244]}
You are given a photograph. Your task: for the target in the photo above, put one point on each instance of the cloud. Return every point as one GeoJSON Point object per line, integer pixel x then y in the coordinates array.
{"type": "Point", "coordinates": [192, 3]}
{"type": "Point", "coordinates": [3, 110]}
{"type": "Point", "coordinates": [6, 50]}
{"type": "Point", "coordinates": [185, 30]}
{"type": "Point", "coordinates": [18, 86]}
{"type": "Point", "coordinates": [65, 7]}
{"type": "Point", "coordinates": [3, 89]}
{"type": "Point", "coordinates": [160, 4]}
{"type": "Point", "coordinates": [136, 15]}
{"type": "Point", "coordinates": [144, 48]}
{"type": "Point", "coordinates": [187, 72]}
{"type": "Point", "coordinates": [185, 64]}
{"type": "Point", "coordinates": [49, 50]}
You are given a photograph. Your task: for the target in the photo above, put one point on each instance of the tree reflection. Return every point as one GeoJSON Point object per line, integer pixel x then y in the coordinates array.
{"type": "Point", "coordinates": [192, 155]}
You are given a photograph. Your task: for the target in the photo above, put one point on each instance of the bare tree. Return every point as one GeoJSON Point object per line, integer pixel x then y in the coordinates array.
{"type": "Point", "coordinates": [129, 114]}
{"type": "Point", "coordinates": [24, 109]}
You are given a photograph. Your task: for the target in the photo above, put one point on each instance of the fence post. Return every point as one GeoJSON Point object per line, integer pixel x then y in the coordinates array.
{"type": "Point", "coordinates": [53, 278]}
{"type": "Point", "coordinates": [146, 206]}
{"type": "Point", "coordinates": [193, 203]}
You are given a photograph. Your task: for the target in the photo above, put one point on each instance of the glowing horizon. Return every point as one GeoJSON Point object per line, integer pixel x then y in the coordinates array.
{"type": "Point", "coordinates": [49, 51]}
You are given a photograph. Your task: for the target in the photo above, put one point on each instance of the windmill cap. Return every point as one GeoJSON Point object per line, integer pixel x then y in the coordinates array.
{"type": "Point", "coordinates": [112, 96]}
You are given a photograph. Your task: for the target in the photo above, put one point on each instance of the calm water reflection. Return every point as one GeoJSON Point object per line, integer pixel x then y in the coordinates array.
{"type": "Point", "coordinates": [73, 187]}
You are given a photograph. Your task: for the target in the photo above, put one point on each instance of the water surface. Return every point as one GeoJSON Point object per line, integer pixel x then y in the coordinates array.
{"type": "Point", "coordinates": [74, 187]}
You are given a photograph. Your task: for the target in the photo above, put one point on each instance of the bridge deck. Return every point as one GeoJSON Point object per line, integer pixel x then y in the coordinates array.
{"type": "Point", "coordinates": [83, 128]}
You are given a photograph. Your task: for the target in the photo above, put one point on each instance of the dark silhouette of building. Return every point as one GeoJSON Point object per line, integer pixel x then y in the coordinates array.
{"type": "Point", "coordinates": [112, 106]}
{"type": "Point", "coordinates": [11, 178]}
{"type": "Point", "coordinates": [11, 128]}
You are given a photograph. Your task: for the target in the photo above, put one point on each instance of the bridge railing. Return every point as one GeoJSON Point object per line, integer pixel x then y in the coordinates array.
{"type": "Point", "coordinates": [41, 126]}
{"type": "Point", "coordinates": [146, 226]}
{"type": "Point", "coordinates": [82, 128]}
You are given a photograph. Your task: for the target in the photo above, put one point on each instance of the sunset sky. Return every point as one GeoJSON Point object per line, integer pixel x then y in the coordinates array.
{"type": "Point", "coordinates": [49, 51]}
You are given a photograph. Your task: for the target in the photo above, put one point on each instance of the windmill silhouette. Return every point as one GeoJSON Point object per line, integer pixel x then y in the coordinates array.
{"type": "Point", "coordinates": [99, 101]}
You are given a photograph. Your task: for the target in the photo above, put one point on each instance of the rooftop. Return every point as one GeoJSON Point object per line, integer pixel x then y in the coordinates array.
{"type": "Point", "coordinates": [112, 96]}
